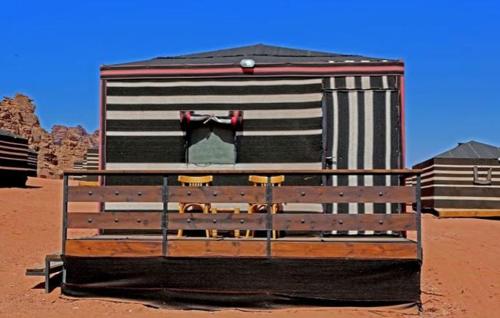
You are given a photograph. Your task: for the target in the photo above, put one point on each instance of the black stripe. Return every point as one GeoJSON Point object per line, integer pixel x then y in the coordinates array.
{"type": "Point", "coordinates": [218, 106]}
{"type": "Point", "coordinates": [465, 204]}
{"type": "Point", "coordinates": [483, 191]}
{"type": "Point", "coordinates": [343, 144]}
{"type": "Point", "coordinates": [145, 149]}
{"type": "Point", "coordinates": [218, 180]}
{"type": "Point", "coordinates": [282, 124]}
{"type": "Point", "coordinates": [214, 90]}
{"type": "Point", "coordinates": [473, 161]}
{"type": "Point", "coordinates": [463, 169]}
{"type": "Point", "coordinates": [357, 82]}
{"type": "Point", "coordinates": [452, 182]}
{"type": "Point", "coordinates": [395, 145]}
{"type": "Point", "coordinates": [248, 125]}
{"type": "Point", "coordinates": [197, 78]}
{"type": "Point", "coordinates": [379, 144]}
{"type": "Point", "coordinates": [258, 149]}
{"type": "Point", "coordinates": [327, 138]}
{"type": "Point", "coordinates": [392, 81]}
{"type": "Point", "coordinates": [376, 82]}
{"type": "Point", "coordinates": [361, 142]}
{"type": "Point", "coordinates": [340, 81]}
{"type": "Point", "coordinates": [143, 125]}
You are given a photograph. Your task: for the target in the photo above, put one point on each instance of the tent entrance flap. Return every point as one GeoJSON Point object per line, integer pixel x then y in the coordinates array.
{"type": "Point", "coordinates": [211, 145]}
{"type": "Point", "coordinates": [211, 138]}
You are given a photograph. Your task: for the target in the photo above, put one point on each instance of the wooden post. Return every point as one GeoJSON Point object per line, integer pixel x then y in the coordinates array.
{"type": "Point", "coordinates": [419, 217]}
{"type": "Point", "coordinates": [65, 213]}
{"type": "Point", "coordinates": [269, 223]}
{"type": "Point", "coordinates": [164, 216]}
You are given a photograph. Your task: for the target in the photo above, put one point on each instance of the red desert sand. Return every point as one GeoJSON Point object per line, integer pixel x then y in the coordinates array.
{"type": "Point", "coordinates": [461, 273]}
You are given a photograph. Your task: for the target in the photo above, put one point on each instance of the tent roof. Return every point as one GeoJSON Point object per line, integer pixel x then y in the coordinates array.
{"type": "Point", "coordinates": [472, 150]}
{"type": "Point", "coordinates": [260, 53]}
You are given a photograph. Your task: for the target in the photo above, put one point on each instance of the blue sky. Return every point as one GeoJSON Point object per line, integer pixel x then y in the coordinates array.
{"type": "Point", "coordinates": [52, 50]}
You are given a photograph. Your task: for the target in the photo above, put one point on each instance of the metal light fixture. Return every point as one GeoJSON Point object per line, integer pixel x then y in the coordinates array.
{"type": "Point", "coordinates": [247, 63]}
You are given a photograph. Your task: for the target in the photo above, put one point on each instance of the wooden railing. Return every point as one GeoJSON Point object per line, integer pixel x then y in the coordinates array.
{"type": "Point", "coordinates": [165, 220]}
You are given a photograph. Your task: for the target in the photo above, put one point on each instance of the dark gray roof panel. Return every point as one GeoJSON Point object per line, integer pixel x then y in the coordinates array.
{"type": "Point", "coordinates": [472, 150]}
{"type": "Point", "coordinates": [262, 54]}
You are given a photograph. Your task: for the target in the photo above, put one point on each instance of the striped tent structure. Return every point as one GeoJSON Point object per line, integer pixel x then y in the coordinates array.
{"type": "Point", "coordinates": [294, 108]}
{"type": "Point", "coordinates": [90, 162]}
{"type": "Point", "coordinates": [463, 181]}
{"type": "Point", "coordinates": [77, 165]}
{"type": "Point", "coordinates": [17, 160]}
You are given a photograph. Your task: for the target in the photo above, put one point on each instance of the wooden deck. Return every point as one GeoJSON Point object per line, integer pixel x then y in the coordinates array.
{"type": "Point", "coordinates": [303, 247]}
{"type": "Point", "coordinates": [294, 245]}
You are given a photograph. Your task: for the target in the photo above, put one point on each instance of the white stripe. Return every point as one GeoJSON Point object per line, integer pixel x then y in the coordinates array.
{"type": "Point", "coordinates": [365, 82]}
{"type": "Point", "coordinates": [335, 113]}
{"type": "Point", "coordinates": [247, 114]}
{"type": "Point", "coordinates": [238, 166]}
{"type": "Point", "coordinates": [213, 83]}
{"type": "Point", "coordinates": [385, 83]}
{"type": "Point", "coordinates": [332, 82]}
{"type": "Point", "coordinates": [349, 81]}
{"type": "Point", "coordinates": [368, 149]}
{"type": "Point", "coordinates": [145, 133]}
{"type": "Point", "coordinates": [461, 198]}
{"type": "Point", "coordinates": [431, 167]}
{"type": "Point", "coordinates": [214, 99]}
{"type": "Point", "coordinates": [471, 178]}
{"type": "Point", "coordinates": [470, 173]}
{"type": "Point", "coordinates": [352, 151]}
{"type": "Point", "coordinates": [279, 132]}
{"type": "Point", "coordinates": [461, 186]}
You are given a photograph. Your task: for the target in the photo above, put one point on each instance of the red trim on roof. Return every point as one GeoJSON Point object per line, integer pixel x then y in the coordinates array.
{"type": "Point", "coordinates": [262, 70]}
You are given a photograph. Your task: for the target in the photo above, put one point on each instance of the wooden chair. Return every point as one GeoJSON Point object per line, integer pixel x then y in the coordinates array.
{"type": "Point", "coordinates": [261, 181]}
{"type": "Point", "coordinates": [197, 181]}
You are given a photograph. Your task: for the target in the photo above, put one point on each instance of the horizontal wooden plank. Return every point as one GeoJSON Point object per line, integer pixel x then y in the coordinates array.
{"type": "Point", "coordinates": [117, 248]}
{"type": "Point", "coordinates": [322, 194]}
{"type": "Point", "coordinates": [246, 194]}
{"type": "Point", "coordinates": [250, 171]}
{"type": "Point", "coordinates": [241, 194]}
{"type": "Point", "coordinates": [243, 221]}
{"type": "Point", "coordinates": [220, 221]}
{"type": "Point", "coordinates": [243, 248]}
{"type": "Point", "coordinates": [214, 248]}
{"type": "Point", "coordinates": [344, 222]}
{"type": "Point", "coordinates": [115, 194]}
{"type": "Point", "coordinates": [348, 250]}
{"type": "Point", "coordinates": [115, 220]}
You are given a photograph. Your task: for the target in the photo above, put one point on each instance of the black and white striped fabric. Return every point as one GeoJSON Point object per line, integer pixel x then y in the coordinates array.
{"type": "Point", "coordinates": [448, 184]}
{"type": "Point", "coordinates": [91, 162]}
{"type": "Point", "coordinates": [287, 123]}
{"type": "Point", "coordinates": [364, 133]}
{"type": "Point", "coordinates": [280, 116]}
{"type": "Point", "coordinates": [282, 123]}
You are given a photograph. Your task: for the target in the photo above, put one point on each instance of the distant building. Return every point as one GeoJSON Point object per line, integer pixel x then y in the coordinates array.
{"type": "Point", "coordinates": [463, 181]}
{"type": "Point", "coordinates": [17, 160]}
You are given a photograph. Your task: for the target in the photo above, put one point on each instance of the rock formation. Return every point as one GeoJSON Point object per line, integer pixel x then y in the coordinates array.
{"type": "Point", "coordinates": [58, 149]}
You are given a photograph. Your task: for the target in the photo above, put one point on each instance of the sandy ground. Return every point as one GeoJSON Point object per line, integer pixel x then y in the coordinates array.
{"type": "Point", "coordinates": [461, 274]}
